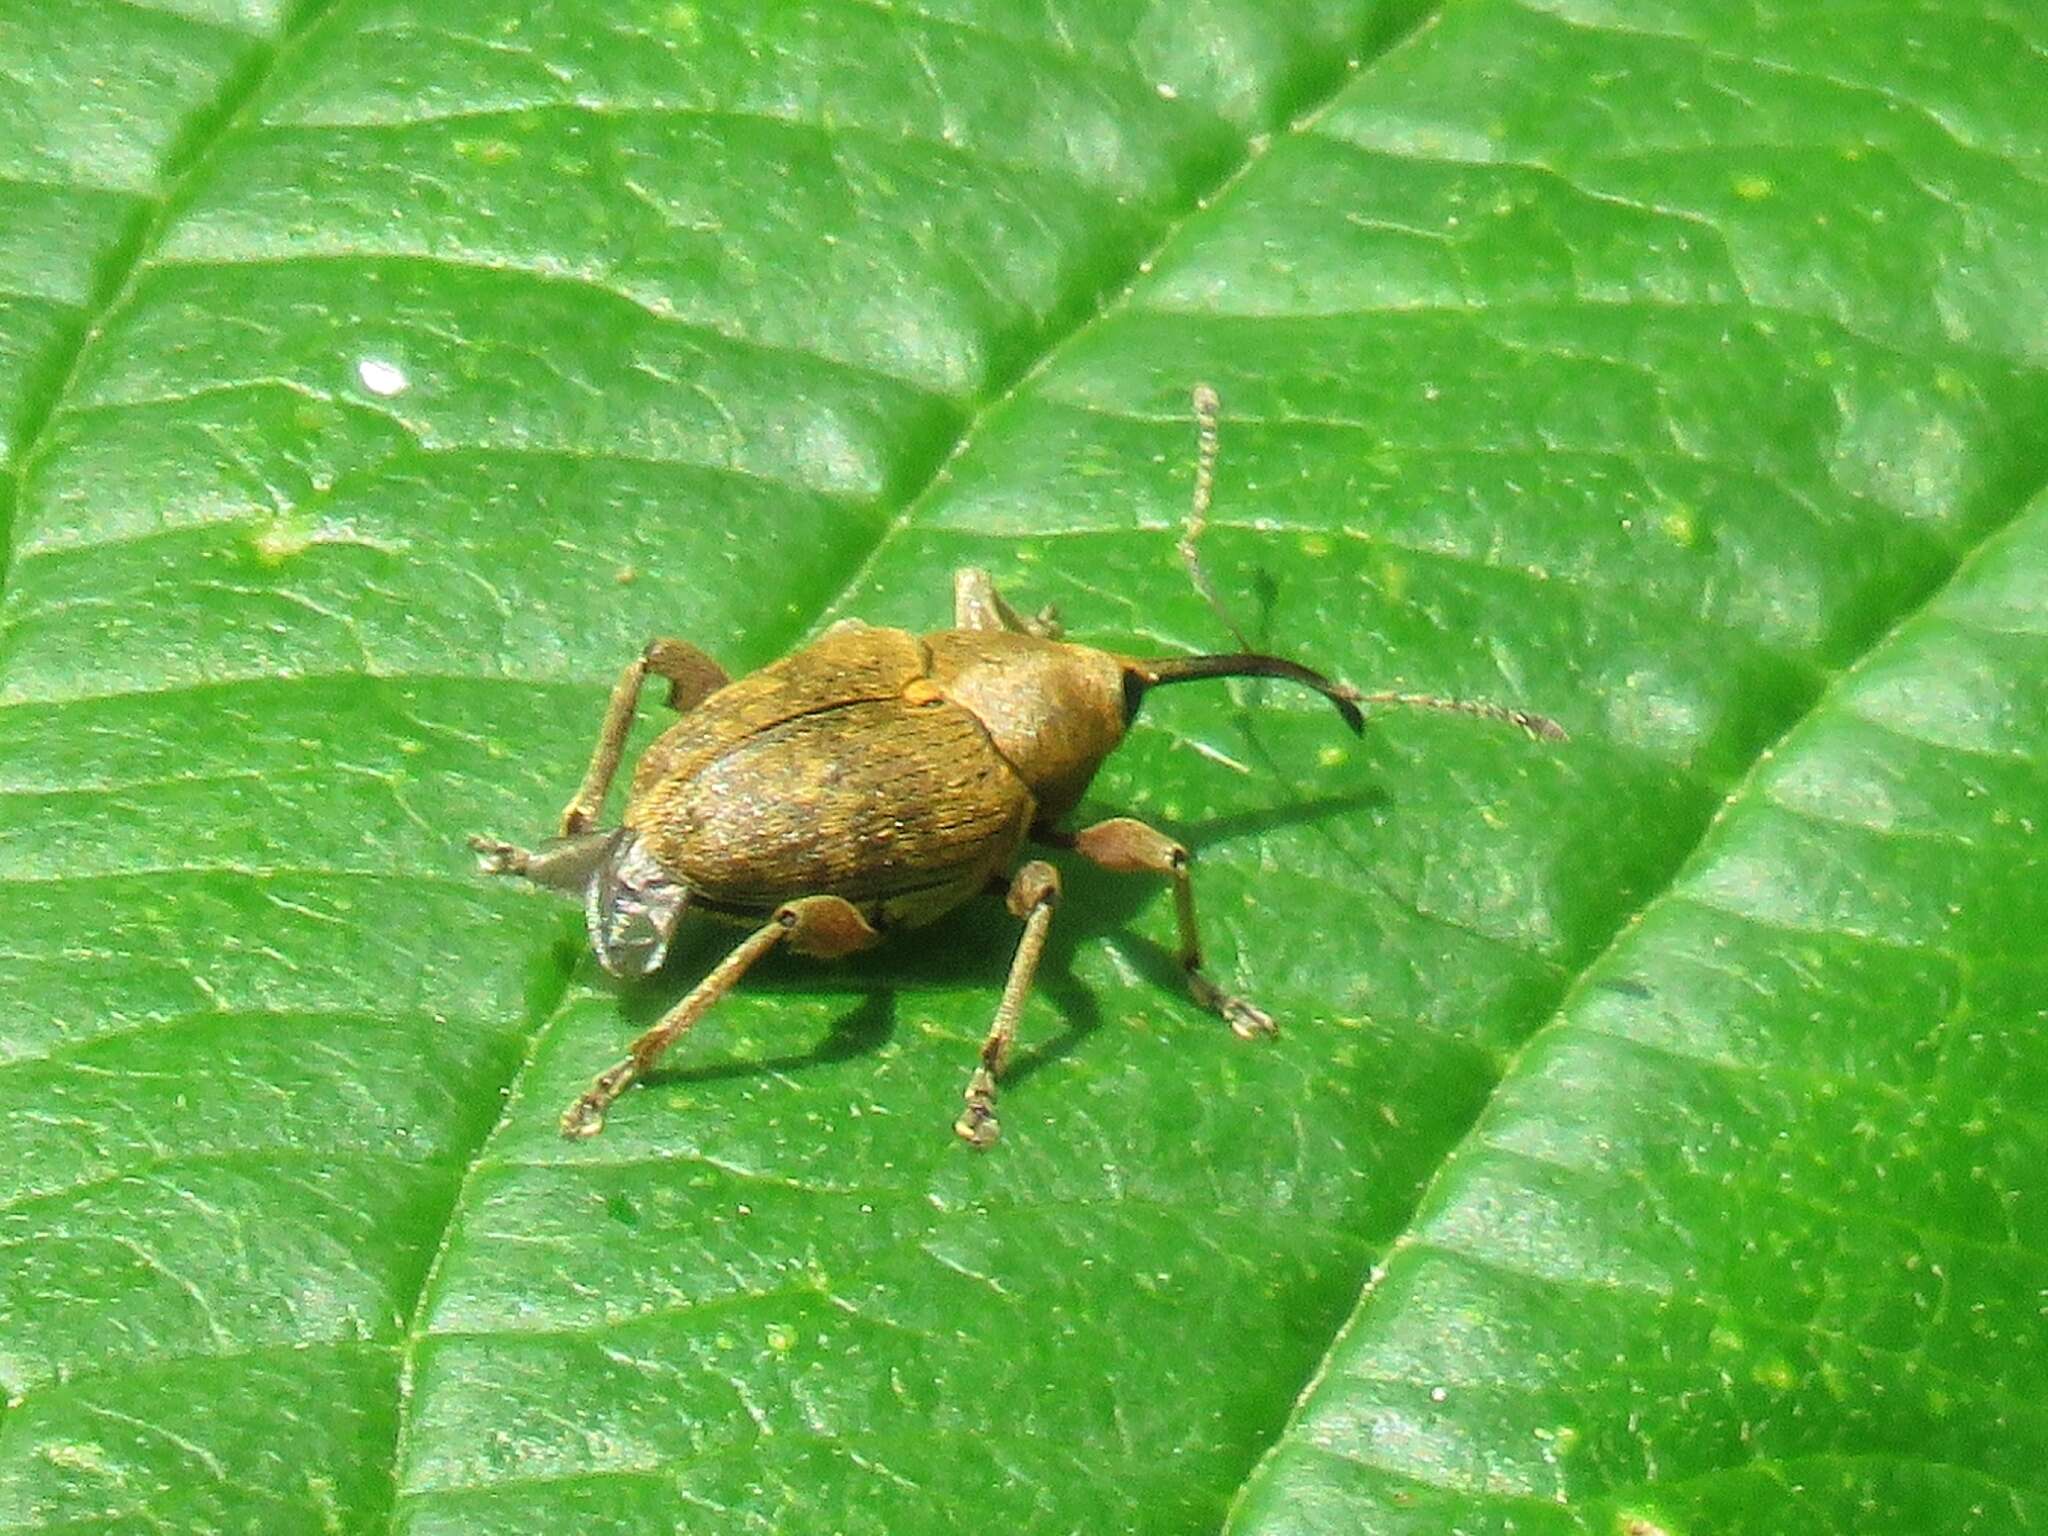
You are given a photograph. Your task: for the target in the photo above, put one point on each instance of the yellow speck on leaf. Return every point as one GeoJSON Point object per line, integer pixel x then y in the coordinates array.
{"type": "Point", "coordinates": [75, 1458]}
{"type": "Point", "coordinates": [278, 540]}
{"type": "Point", "coordinates": [487, 151]}
{"type": "Point", "coordinates": [1776, 1374]}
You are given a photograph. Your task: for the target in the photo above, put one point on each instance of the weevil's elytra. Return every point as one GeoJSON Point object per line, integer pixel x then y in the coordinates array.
{"type": "Point", "coordinates": [871, 782]}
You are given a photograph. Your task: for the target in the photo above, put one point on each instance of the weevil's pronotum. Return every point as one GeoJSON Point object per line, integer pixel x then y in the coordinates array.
{"type": "Point", "coordinates": [873, 781]}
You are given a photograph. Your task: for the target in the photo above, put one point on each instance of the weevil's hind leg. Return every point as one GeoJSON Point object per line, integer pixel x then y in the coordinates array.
{"type": "Point", "coordinates": [691, 676]}
{"type": "Point", "coordinates": [1033, 895]}
{"type": "Point", "coordinates": [817, 925]}
{"type": "Point", "coordinates": [585, 1117]}
{"type": "Point", "coordinates": [1129, 847]}
{"type": "Point", "coordinates": [561, 864]}
{"type": "Point", "coordinates": [978, 605]}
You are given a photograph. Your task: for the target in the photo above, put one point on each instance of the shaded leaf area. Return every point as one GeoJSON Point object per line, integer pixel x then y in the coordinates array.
{"type": "Point", "coordinates": [101, 105]}
{"type": "Point", "coordinates": [1751, 1237]}
{"type": "Point", "coordinates": [479, 347]}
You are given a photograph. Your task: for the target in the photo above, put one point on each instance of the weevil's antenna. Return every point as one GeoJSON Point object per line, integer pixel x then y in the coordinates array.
{"type": "Point", "coordinates": [1181, 669]}
{"type": "Point", "coordinates": [1208, 410]}
{"type": "Point", "coordinates": [1541, 727]}
{"type": "Point", "coordinates": [1159, 671]}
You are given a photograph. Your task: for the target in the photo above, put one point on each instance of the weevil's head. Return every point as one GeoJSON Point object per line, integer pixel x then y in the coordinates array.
{"type": "Point", "coordinates": [632, 906]}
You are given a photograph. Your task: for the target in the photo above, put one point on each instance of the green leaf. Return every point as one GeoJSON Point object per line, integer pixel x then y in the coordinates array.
{"type": "Point", "coordinates": [1749, 1225]}
{"type": "Point", "coordinates": [379, 377]}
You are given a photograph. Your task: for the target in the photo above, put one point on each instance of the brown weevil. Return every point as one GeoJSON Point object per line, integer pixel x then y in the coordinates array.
{"type": "Point", "coordinates": [872, 781]}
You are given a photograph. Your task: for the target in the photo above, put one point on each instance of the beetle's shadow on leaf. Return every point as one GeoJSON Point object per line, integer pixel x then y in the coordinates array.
{"type": "Point", "coordinates": [1208, 831]}
{"type": "Point", "coordinates": [1079, 1014]}
{"type": "Point", "coordinates": [972, 945]}
{"type": "Point", "coordinates": [867, 1028]}
{"type": "Point", "coordinates": [1266, 596]}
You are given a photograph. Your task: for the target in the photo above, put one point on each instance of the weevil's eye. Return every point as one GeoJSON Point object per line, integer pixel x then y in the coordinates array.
{"type": "Point", "coordinates": [632, 908]}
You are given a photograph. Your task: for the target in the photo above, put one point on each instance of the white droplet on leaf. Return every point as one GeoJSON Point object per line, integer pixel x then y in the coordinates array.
{"type": "Point", "coordinates": [381, 377]}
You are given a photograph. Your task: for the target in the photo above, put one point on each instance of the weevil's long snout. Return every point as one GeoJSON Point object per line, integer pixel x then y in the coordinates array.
{"type": "Point", "coordinates": [1144, 675]}
{"type": "Point", "coordinates": [632, 907]}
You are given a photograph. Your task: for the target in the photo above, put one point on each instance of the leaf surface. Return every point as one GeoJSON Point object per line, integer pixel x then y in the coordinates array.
{"type": "Point", "coordinates": [1749, 1225]}
{"type": "Point", "coordinates": [1682, 380]}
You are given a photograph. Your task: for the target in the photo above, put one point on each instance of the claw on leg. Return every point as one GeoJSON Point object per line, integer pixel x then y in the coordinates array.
{"type": "Point", "coordinates": [977, 1125]}
{"type": "Point", "coordinates": [496, 857]}
{"type": "Point", "coordinates": [585, 1117]}
{"type": "Point", "coordinates": [1247, 1020]}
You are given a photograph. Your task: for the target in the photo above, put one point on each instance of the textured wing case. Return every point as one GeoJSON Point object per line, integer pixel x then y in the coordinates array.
{"type": "Point", "coordinates": [819, 776]}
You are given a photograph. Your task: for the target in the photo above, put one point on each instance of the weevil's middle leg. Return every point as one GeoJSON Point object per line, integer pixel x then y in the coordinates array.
{"type": "Point", "coordinates": [1033, 895]}
{"type": "Point", "coordinates": [817, 925]}
{"type": "Point", "coordinates": [978, 605]}
{"type": "Point", "coordinates": [1127, 846]}
{"type": "Point", "coordinates": [691, 676]}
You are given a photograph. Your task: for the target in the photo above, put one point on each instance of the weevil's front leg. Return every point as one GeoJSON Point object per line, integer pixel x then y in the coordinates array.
{"type": "Point", "coordinates": [817, 925]}
{"type": "Point", "coordinates": [978, 605]}
{"type": "Point", "coordinates": [1033, 895]}
{"type": "Point", "coordinates": [691, 675]}
{"type": "Point", "coordinates": [1128, 847]}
